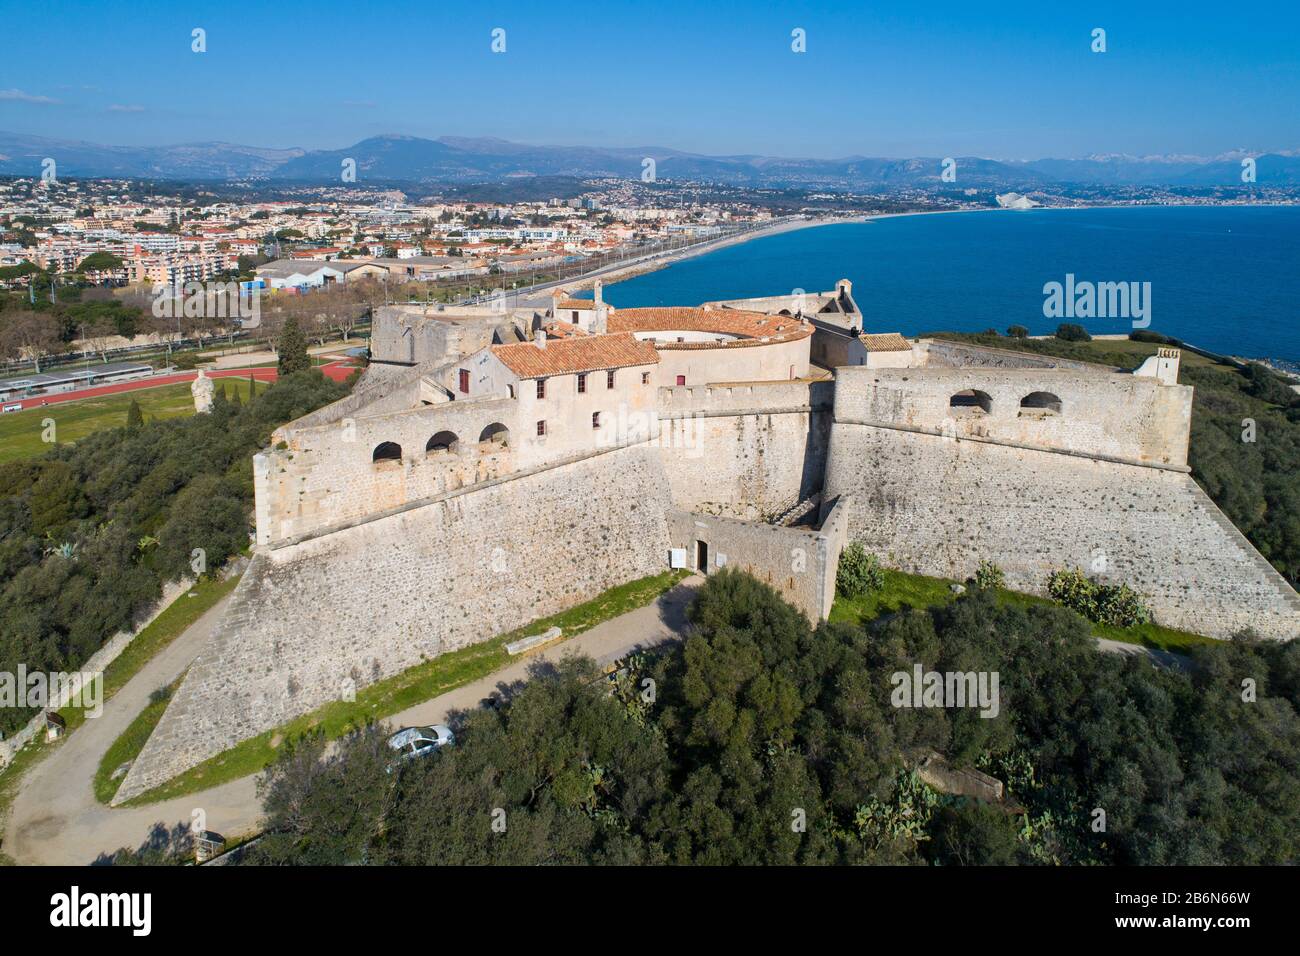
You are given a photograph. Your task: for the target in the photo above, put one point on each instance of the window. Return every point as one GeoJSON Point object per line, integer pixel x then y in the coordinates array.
{"type": "Point", "coordinates": [541, 388]}
{"type": "Point", "coordinates": [595, 419]}
{"type": "Point", "coordinates": [575, 318]}
{"type": "Point", "coordinates": [386, 451]}
{"type": "Point", "coordinates": [582, 383]}
{"type": "Point", "coordinates": [464, 381]}
{"type": "Point", "coordinates": [681, 379]}
{"type": "Point", "coordinates": [510, 390]}
{"type": "Point", "coordinates": [972, 401]}
{"type": "Point", "coordinates": [541, 429]}
{"type": "Point", "coordinates": [645, 378]}
{"type": "Point", "coordinates": [609, 379]}
{"type": "Point", "coordinates": [1040, 403]}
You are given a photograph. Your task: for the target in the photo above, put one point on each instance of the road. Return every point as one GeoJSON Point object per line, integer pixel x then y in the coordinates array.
{"type": "Point", "coordinates": [56, 819]}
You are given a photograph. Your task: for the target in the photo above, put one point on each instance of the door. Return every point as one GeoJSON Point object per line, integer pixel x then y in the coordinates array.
{"type": "Point", "coordinates": [702, 557]}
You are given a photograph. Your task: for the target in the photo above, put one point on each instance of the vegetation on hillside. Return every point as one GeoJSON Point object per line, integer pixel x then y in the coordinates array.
{"type": "Point", "coordinates": [90, 532]}
{"type": "Point", "coordinates": [763, 740]}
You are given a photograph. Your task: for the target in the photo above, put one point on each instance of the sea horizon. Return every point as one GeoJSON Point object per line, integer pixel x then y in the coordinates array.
{"type": "Point", "coordinates": [928, 271]}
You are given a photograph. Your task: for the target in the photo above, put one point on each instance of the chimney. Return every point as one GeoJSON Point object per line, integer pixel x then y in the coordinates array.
{"type": "Point", "coordinates": [539, 339]}
{"type": "Point", "coordinates": [598, 293]}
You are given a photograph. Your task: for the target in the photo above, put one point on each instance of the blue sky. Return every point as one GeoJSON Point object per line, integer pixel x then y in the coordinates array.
{"type": "Point", "coordinates": [933, 79]}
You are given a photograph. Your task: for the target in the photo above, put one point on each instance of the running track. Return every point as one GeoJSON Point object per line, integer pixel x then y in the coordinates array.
{"type": "Point", "coordinates": [337, 370]}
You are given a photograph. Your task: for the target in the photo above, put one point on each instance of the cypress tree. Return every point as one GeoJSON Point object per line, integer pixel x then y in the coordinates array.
{"type": "Point", "coordinates": [293, 348]}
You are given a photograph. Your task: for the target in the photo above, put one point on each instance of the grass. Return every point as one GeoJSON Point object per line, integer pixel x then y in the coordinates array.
{"type": "Point", "coordinates": [22, 434]}
{"type": "Point", "coordinates": [129, 744]}
{"type": "Point", "coordinates": [161, 631]}
{"type": "Point", "coordinates": [1121, 353]}
{"type": "Point", "coordinates": [903, 590]}
{"type": "Point", "coordinates": [386, 697]}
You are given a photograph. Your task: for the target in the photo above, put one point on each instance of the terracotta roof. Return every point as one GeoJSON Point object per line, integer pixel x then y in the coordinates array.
{"type": "Point", "coordinates": [885, 342]}
{"type": "Point", "coordinates": [576, 304]}
{"type": "Point", "coordinates": [588, 353]}
{"type": "Point", "coordinates": [752, 326]}
{"type": "Point", "coordinates": [563, 330]}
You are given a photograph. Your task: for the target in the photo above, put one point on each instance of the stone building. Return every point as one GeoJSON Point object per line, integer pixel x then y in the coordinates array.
{"type": "Point", "coordinates": [495, 466]}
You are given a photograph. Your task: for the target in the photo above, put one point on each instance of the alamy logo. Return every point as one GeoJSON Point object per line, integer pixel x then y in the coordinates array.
{"type": "Point", "coordinates": [208, 300]}
{"type": "Point", "coordinates": [1098, 300]}
{"type": "Point", "coordinates": [103, 909]}
{"type": "Point", "coordinates": [38, 690]}
{"type": "Point", "coordinates": [922, 688]}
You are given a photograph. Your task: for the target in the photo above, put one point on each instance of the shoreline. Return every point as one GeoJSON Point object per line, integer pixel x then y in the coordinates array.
{"type": "Point", "coordinates": [704, 249]}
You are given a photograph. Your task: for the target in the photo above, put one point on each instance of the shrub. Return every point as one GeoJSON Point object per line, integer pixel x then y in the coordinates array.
{"type": "Point", "coordinates": [1071, 332]}
{"type": "Point", "coordinates": [1018, 332]}
{"type": "Point", "coordinates": [1116, 605]}
{"type": "Point", "coordinates": [1146, 335]}
{"type": "Point", "coordinates": [859, 572]}
{"type": "Point", "coordinates": [989, 577]}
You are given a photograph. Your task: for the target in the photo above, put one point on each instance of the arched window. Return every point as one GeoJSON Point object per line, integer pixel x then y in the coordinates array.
{"type": "Point", "coordinates": [496, 433]}
{"type": "Point", "coordinates": [971, 401]}
{"type": "Point", "coordinates": [442, 443]}
{"type": "Point", "coordinates": [387, 451]}
{"type": "Point", "coordinates": [1040, 403]}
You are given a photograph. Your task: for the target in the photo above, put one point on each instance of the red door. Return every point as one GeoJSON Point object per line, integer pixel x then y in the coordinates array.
{"type": "Point", "coordinates": [464, 381]}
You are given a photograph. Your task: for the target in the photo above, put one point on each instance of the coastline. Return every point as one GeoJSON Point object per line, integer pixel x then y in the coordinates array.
{"type": "Point", "coordinates": [644, 268]}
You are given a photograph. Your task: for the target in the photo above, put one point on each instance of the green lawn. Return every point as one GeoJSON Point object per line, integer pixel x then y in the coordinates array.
{"type": "Point", "coordinates": [381, 699]}
{"type": "Point", "coordinates": [918, 591]}
{"type": "Point", "coordinates": [128, 746]}
{"type": "Point", "coordinates": [22, 434]}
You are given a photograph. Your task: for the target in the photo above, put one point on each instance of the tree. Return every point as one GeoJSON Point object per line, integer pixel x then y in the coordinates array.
{"type": "Point", "coordinates": [29, 336]}
{"type": "Point", "coordinates": [1018, 332]}
{"type": "Point", "coordinates": [292, 348]}
{"type": "Point", "coordinates": [134, 416]}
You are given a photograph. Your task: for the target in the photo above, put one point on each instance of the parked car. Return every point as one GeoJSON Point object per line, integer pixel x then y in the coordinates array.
{"type": "Point", "coordinates": [412, 742]}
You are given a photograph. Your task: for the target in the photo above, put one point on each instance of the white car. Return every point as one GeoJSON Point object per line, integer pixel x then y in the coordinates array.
{"type": "Point", "coordinates": [412, 742]}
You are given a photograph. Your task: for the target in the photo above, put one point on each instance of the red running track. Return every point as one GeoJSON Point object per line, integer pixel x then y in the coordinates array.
{"type": "Point", "coordinates": [337, 370]}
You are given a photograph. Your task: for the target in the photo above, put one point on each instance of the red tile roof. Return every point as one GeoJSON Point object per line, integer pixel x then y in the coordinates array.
{"type": "Point", "coordinates": [885, 342]}
{"type": "Point", "coordinates": [751, 327]}
{"type": "Point", "coordinates": [566, 356]}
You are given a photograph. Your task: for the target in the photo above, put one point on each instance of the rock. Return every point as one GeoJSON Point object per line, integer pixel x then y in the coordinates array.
{"type": "Point", "coordinates": [121, 770]}
{"type": "Point", "coordinates": [957, 588]}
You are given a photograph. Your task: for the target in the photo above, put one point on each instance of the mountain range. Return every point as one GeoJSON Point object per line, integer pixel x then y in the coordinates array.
{"type": "Point", "coordinates": [450, 159]}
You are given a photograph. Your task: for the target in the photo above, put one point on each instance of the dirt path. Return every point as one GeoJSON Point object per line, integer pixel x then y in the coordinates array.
{"type": "Point", "coordinates": [57, 820]}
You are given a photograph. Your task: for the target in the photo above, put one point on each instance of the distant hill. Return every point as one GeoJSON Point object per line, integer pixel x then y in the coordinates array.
{"type": "Point", "coordinates": [452, 159]}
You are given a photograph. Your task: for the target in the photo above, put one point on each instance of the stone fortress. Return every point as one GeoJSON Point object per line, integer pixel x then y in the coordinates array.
{"type": "Point", "coordinates": [497, 465]}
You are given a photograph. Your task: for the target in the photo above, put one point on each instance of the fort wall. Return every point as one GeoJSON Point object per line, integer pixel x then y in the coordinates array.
{"type": "Point", "coordinates": [744, 450]}
{"type": "Point", "coordinates": [313, 621]}
{"type": "Point", "coordinates": [1116, 416]}
{"type": "Point", "coordinates": [319, 476]}
{"type": "Point", "coordinates": [938, 506]}
{"type": "Point", "coordinates": [800, 563]}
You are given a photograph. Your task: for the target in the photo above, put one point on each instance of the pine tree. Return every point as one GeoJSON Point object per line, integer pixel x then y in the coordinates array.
{"type": "Point", "coordinates": [293, 349]}
{"type": "Point", "coordinates": [134, 417]}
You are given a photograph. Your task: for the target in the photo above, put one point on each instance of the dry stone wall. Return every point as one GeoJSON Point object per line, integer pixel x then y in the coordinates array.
{"type": "Point", "coordinates": [314, 620]}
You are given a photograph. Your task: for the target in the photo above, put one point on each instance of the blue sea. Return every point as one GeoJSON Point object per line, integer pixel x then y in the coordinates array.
{"type": "Point", "coordinates": [1225, 279]}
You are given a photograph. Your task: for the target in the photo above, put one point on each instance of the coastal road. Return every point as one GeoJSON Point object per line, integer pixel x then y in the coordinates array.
{"type": "Point", "coordinates": [56, 819]}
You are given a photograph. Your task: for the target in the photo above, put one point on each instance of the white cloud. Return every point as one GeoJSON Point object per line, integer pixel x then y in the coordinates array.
{"type": "Point", "coordinates": [122, 108]}
{"type": "Point", "coordinates": [18, 96]}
